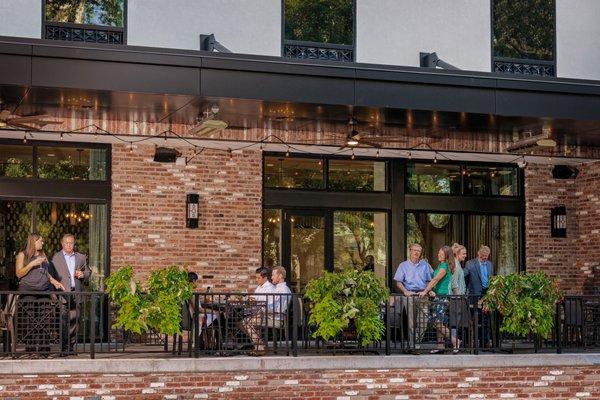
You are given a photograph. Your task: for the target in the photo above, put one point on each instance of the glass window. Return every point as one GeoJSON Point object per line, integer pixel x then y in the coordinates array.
{"type": "Point", "coordinates": [324, 21]}
{"type": "Point", "coordinates": [524, 29]}
{"type": "Point", "coordinates": [501, 234]}
{"type": "Point", "coordinates": [71, 163]}
{"type": "Point", "coordinates": [358, 235]}
{"type": "Point", "coordinates": [491, 181]}
{"type": "Point", "coordinates": [87, 222]}
{"type": "Point", "coordinates": [16, 161]}
{"type": "Point", "coordinates": [90, 12]}
{"type": "Point", "coordinates": [15, 225]}
{"type": "Point", "coordinates": [432, 231]}
{"type": "Point", "coordinates": [307, 249]}
{"type": "Point", "coordinates": [293, 172]}
{"type": "Point", "coordinates": [271, 237]}
{"type": "Point", "coordinates": [433, 178]}
{"type": "Point", "coordinates": [357, 175]}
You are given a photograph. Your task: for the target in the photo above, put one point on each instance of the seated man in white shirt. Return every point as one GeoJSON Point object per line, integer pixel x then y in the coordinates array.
{"type": "Point", "coordinates": [264, 285]}
{"type": "Point", "coordinates": [272, 315]}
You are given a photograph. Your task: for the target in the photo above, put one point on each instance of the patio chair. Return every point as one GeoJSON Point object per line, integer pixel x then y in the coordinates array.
{"type": "Point", "coordinates": [7, 313]}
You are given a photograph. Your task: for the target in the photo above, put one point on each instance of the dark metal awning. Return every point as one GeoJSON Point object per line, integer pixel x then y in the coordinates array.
{"type": "Point", "coordinates": [127, 82]}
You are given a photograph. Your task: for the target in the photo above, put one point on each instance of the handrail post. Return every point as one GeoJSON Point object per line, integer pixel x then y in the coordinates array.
{"type": "Point", "coordinates": [196, 325]}
{"type": "Point", "coordinates": [476, 326]}
{"type": "Point", "coordinates": [388, 329]}
{"type": "Point", "coordinates": [295, 322]}
{"type": "Point", "coordinates": [557, 328]}
{"type": "Point", "coordinates": [93, 326]}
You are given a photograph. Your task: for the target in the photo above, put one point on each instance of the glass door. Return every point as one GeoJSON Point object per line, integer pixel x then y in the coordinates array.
{"type": "Point", "coordinates": [304, 250]}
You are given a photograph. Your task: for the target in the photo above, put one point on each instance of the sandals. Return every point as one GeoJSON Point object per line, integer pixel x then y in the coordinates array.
{"type": "Point", "coordinates": [259, 350]}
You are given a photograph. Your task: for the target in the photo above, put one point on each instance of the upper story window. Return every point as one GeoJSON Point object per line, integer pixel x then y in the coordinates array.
{"type": "Point", "coordinates": [320, 30]}
{"type": "Point", "coordinates": [524, 37]}
{"type": "Point", "coordinates": [96, 21]}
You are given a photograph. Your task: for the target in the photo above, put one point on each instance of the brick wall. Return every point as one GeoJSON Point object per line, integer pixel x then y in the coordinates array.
{"type": "Point", "coordinates": [581, 382]}
{"type": "Point", "coordinates": [571, 259]}
{"type": "Point", "coordinates": [148, 214]}
{"type": "Point", "coordinates": [587, 215]}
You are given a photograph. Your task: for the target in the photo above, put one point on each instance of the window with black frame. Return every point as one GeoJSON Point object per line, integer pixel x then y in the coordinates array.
{"type": "Point", "coordinates": [53, 162]}
{"type": "Point", "coordinates": [456, 179]}
{"type": "Point", "coordinates": [524, 37]}
{"type": "Point", "coordinates": [319, 30]}
{"type": "Point", "coordinates": [35, 168]}
{"type": "Point", "coordinates": [96, 21]}
{"type": "Point", "coordinates": [501, 233]}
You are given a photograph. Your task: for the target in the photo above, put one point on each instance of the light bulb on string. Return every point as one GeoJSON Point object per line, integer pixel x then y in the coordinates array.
{"type": "Point", "coordinates": [320, 162]}
{"type": "Point", "coordinates": [25, 138]}
{"type": "Point", "coordinates": [61, 136]}
{"type": "Point", "coordinates": [130, 147]}
{"type": "Point", "coordinates": [409, 155]}
{"type": "Point", "coordinates": [230, 154]}
{"type": "Point", "coordinates": [435, 158]}
{"type": "Point", "coordinates": [353, 156]}
{"type": "Point", "coordinates": [377, 154]}
{"type": "Point", "coordinates": [287, 153]}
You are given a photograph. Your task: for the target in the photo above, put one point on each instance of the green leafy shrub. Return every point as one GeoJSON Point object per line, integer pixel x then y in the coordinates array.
{"type": "Point", "coordinates": [339, 298]}
{"type": "Point", "coordinates": [158, 308]}
{"type": "Point", "coordinates": [526, 302]}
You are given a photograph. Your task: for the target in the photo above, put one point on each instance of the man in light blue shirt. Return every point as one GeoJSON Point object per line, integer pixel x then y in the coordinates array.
{"type": "Point", "coordinates": [412, 277]}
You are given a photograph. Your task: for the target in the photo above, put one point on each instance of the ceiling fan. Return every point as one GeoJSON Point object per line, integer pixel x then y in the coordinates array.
{"type": "Point", "coordinates": [208, 122]}
{"type": "Point", "coordinates": [29, 122]}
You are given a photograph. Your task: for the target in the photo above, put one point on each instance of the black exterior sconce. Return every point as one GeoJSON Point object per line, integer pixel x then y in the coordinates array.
{"type": "Point", "coordinates": [558, 222]}
{"type": "Point", "coordinates": [191, 207]}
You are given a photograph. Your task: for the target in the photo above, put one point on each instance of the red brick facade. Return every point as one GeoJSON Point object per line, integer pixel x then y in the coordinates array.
{"type": "Point", "coordinates": [406, 384]}
{"type": "Point", "coordinates": [574, 259]}
{"type": "Point", "coordinates": [148, 214]}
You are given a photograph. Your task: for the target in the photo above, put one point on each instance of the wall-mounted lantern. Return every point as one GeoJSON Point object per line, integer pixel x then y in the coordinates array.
{"type": "Point", "coordinates": [558, 222]}
{"type": "Point", "coordinates": [191, 203]}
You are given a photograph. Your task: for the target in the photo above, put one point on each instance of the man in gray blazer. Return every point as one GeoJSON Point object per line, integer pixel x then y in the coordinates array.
{"type": "Point", "coordinates": [478, 272]}
{"type": "Point", "coordinates": [72, 271]}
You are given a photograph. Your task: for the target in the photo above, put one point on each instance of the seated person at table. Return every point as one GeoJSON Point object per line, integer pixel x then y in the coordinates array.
{"type": "Point", "coordinates": [264, 285]}
{"type": "Point", "coordinates": [272, 315]}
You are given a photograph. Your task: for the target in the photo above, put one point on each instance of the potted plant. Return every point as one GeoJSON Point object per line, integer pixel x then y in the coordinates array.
{"type": "Point", "coordinates": [339, 300]}
{"type": "Point", "coordinates": [156, 306]}
{"type": "Point", "coordinates": [526, 303]}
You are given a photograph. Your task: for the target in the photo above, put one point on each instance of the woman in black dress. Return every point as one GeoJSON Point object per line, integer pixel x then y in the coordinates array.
{"type": "Point", "coordinates": [39, 315]}
{"type": "Point", "coordinates": [32, 267]}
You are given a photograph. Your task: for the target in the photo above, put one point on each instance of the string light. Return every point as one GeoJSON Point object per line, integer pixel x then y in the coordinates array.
{"type": "Point", "coordinates": [165, 137]}
{"type": "Point", "coordinates": [353, 156]}
{"type": "Point", "coordinates": [435, 158]}
{"type": "Point", "coordinates": [230, 154]}
{"type": "Point", "coordinates": [409, 155]}
{"type": "Point", "coordinates": [320, 162]}
{"type": "Point", "coordinates": [287, 153]}
{"type": "Point", "coordinates": [464, 171]}
{"type": "Point", "coordinates": [377, 155]}
{"type": "Point", "coordinates": [131, 147]}
{"type": "Point", "coordinates": [25, 138]}
{"type": "Point", "coordinates": [61, 136]}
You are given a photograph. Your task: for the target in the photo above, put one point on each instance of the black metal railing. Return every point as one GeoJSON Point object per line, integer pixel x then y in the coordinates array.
{"type": "Point", "coordinates": [318, 51]}
{"type": "Point", "coordinates": [84, 33]}
{"type": "Point", "coordinates": [515, 66]}
{"type": "Point", "coordinates": [219, 324]}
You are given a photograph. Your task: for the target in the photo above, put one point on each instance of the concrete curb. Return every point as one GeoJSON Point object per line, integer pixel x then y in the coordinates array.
{"type": "Point", "coordinates": [231, 364]}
